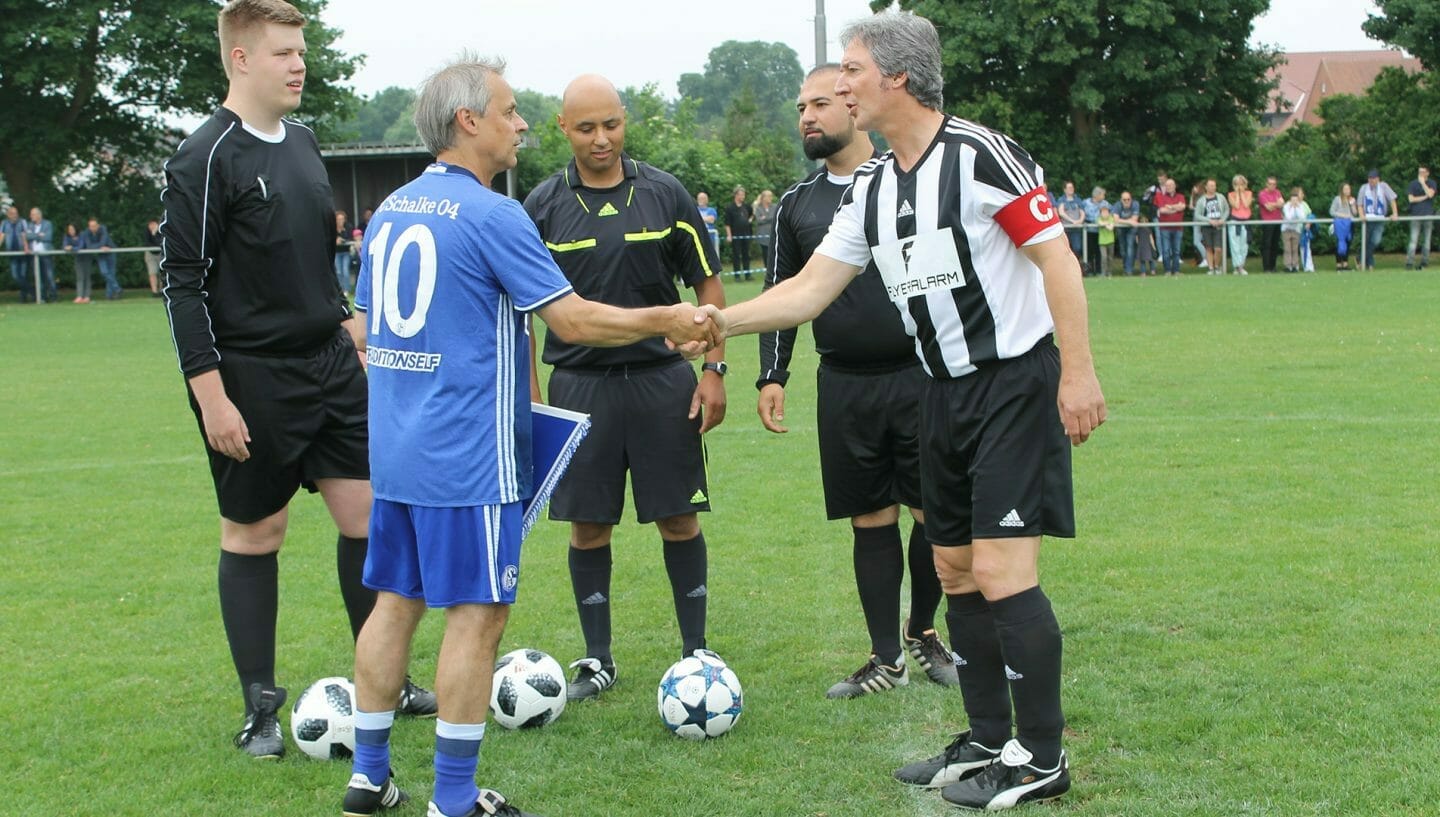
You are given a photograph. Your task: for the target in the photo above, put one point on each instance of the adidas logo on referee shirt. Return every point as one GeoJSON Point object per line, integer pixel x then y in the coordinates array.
{"type": "Point", "coordinates": [608, 210]}
{"type": "Point", "coordinates": [1012, 520]}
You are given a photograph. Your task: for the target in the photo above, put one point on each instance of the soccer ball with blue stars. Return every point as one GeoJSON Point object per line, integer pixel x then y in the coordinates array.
{"type": "Point", "coordinates": [699, 697]}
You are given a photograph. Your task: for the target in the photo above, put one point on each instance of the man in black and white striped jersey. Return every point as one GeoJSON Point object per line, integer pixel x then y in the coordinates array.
{"type": "Point", "coordinates": [957, 222]}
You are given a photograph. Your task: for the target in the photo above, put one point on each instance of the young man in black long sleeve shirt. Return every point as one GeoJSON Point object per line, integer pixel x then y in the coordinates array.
{"type": "Point", "coordinates": [267, 343]}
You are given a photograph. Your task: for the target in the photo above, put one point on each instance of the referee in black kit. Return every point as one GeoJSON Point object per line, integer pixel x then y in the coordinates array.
{"type": "Point", "coordinates": [868, 405]}
{"type": "Point", "coordinates": [957, 222]}
{"type": "Point", "coordinates": [624, 233]}
{"type": "Point", "coordinates": [267, 344]}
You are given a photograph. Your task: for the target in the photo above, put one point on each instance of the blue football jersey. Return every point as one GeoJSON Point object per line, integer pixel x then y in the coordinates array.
{"type": "Point", "coordinates": [448, 270]}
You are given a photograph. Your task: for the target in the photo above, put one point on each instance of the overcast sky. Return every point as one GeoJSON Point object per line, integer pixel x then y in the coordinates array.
{"type": "Point", "coordinates": [633, 42]}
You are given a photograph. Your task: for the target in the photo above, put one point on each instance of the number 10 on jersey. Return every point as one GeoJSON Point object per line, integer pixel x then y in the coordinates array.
{"type": "Point", "coordinates": [385, 279]}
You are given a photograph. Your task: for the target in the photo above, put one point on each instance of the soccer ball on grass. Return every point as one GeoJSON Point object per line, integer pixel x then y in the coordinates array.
{"type": "Point", "coordinates": [699, 697]}
{"type": "Point", "coordinates": [323, 719]}
{"type": "Point", "coordinates": [528, 690]}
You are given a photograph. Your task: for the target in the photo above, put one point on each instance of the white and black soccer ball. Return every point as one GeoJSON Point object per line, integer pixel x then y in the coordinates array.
{"type": "Point", "coordinates": [700, 697]}
{"type": "Point", "coordinates": [528, 690]}
{"type": "Point", "coordinates": [323, 719]}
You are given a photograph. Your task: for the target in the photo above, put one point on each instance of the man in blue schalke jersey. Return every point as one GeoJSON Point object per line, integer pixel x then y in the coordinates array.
{"type": "Point", "coordinates": [956, 220]}
{"type": "Point", "coordinates": [449, 273]}
{"type": "Point", "coordinates": [627, 234]}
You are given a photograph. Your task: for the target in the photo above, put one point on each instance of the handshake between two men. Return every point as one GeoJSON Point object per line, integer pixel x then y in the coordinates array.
{"type": "Point", "coordinates": [695, 330]}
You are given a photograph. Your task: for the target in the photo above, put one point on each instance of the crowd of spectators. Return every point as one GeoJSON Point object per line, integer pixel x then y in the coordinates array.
{"type": "Point", "coordinates": [88, 249]}
{"type": "Point", "coordinates": [1146, 235]}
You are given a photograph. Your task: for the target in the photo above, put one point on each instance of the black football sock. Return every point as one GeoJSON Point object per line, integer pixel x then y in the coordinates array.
{"type": "Point", "coordinates": [350, 568]}
{"type": "Point", "coordinates": [879, 570]}
{"type": "Point", "coordinates": [981, 667]}
{"type": "Point", "coordinates": [590, 578]}
{"type": "Point", "coordinates": [925, 589]}
{"type": "Point", "coordinates": [686, 565]}
{"type": "Point", "coordinates": [249, 598]}
{"type": "Point", "coordinates": [1030, 638]}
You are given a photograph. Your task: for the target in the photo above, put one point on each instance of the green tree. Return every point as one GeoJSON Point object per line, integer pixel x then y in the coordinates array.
{"type": "Point", "coordinates": [769, 72]}
{"type": "Point", "coordinates": [377, 116]}
{"type": "Point", "coordinates": [1107, 91]}
{"type": "Point", "coordinates": [547, 150]}
{"type": "Point", "coordinates": [1409, 24]}
{"type": "Point", "coordinates": [83, 79]}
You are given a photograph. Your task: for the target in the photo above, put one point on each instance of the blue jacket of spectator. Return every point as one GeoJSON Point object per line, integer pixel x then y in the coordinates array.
{"type": "Point", "coordinates": [97, 240]}
{"type": "Point", "coordinates": [42, 234]}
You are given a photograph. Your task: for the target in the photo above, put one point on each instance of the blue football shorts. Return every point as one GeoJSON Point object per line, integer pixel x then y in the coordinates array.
{"type": "Point", "coordinates": [447, 556]}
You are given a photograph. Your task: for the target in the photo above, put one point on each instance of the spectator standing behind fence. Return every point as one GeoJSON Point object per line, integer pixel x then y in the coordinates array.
{"type": "Point", "coordinates": [1344, 210]}
{"type": "Point", "coordinates": [739, 227]}
{"type": "Point", "coordinates": [1240, 198]}
{"type": "Point", "coordinates": [1197, 234]}
{"type": "Point", "coordinates": [1072, 218]}
{"type": "Point", "coordinates": [1149, 208]}
{"type": "Point", "coordinates": [341, 261]}
{"type": "Point", "coordinates": [1272, 202]}
{"type": "Point", "coordinates": [1421, 194]}
{"type": "Point", "coordinates": [1377, 203]}
{"type": "Point", "coordinates": [1127, 218]}
{"type": "Point", "coordinates": [84, 264]}
{"type": "Point", "coordinates": [1307, 232]}
{"type": "Point", "coordinates": [1092, 207]}
{"type": "Point", "coordinates": [1144, 248]}
{"type": "Point", "coordinates": [1212, 209]}
{"type": "Point", "coordinates": [1105, 222]}
{"type": "Point", "coordinates": [765, 225]}
{"type": "Point", "coordinates": [152, 241]}
{"type": "Point", "coordinates": [96, 236]}
{"type": "Point", "coordinates": [709, 215]}
{"type": "Point", "coordinates": [40, 238]}
{"type": "Point", "coordinates": [1170, 210]}
{"type": "Point", "coordinates": [12, 239]}
{"type": "Point", "coordinates": [1294, 213]}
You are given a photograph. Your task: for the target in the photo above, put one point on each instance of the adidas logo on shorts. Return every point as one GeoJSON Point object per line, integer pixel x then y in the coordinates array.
{"type": "Point", "coordinates": [1012, 520]}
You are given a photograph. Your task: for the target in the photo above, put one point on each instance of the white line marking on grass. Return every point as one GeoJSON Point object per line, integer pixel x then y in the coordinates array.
{"type": "Point", "coordinates": [1276, 418]}
{"type": "Point", "coordinates": [95, 466]}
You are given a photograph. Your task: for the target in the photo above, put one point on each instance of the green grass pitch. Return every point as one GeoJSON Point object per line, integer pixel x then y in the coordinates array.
{"type": "Point", "coordinates": [1249, 610]}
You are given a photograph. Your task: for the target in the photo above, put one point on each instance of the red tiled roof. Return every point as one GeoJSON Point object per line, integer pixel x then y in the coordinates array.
{"type": "Point", "coordinates": [1306, 77]}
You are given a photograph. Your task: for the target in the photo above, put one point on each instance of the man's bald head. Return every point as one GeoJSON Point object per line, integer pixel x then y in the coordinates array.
{"type": "Point", "coordinates": [593, 119]}
{"type": "Point", "coordinates": [589, 89]}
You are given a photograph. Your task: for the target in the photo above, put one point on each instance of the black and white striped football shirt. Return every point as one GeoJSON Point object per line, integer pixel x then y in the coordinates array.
{"type": "Point", "coordinates": [946, 237]}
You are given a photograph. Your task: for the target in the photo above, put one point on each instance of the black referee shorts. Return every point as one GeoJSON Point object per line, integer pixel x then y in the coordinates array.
{"type": "Point", "coordinates": [995, 461]}
{"type": "Point", "coordinates": [869, 431]}
{"type": "Point", "coordinates": [638, 424]}
{"type": "Point", "coordinates": [307, 419]}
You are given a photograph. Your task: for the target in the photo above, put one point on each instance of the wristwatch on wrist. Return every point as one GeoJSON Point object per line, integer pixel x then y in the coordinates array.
{"type": "Point", "coordinates": [717, 367]}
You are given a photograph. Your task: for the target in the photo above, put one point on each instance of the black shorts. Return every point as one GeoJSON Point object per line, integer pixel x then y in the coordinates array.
{"type": "Point", "coordinates": [307, 420]}
{"type": "Point", "coordinates": [869, 430]}
{"type": "Point", "coordinates": [1211, 237]}
{"type": "Point", "coordinates": [638, 423]}
{"type": "Point", "coordinates": [994, 458]}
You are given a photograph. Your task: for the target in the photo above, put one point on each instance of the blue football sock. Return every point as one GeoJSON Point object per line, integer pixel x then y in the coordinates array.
{"type": "Point", "coordinates": [372, 745]}
{"type": "Point", "coordinates": [457, 754]}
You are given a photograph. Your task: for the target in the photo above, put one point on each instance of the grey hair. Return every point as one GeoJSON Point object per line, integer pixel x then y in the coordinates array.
{"type": "Point", "coordinates": [462, 83]}
{"type": "Point", "coordinates": [1098, 191]}
{"type": "Point", "coordinates": [903, 43]}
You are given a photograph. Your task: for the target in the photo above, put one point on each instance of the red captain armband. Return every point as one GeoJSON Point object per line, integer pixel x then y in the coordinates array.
{"type": "Point", "coordinates": [1024, 218]}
